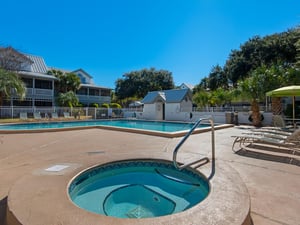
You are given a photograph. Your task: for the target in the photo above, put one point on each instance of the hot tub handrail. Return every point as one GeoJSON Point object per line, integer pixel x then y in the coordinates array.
{"type": "Point", "coordinates": [205, 159]}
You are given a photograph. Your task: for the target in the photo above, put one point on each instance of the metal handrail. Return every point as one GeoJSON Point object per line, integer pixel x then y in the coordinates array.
{"type": "Point", "coordinates": [205, 159]}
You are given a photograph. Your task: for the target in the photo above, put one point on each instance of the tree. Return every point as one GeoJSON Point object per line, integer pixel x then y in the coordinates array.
{"type": "Point", "coordinates": [260, 81]}
{"type": "Point", "coordinates": [217, 78]}
{"type": "Point", "coordinates": [201, 98]}
{"type": "Point", "coordinates": [12, 60]}
{"type": "Point", "coordinates": [67, 99]}
{"type": "Point", "coordinates": [10, 83]}
{"type": "Point", "coordinates": [138, 83]}
{"type": "Point", "coordinates": [65, 88]}
{"type": "Point", "coordinates": [66, 81]}
{"type": "Point", "coordinates": [257, 51]}
{"type": "Point", "coordinates": [217, 97]}
{"type": "Point", "coordinates": [297, 44]}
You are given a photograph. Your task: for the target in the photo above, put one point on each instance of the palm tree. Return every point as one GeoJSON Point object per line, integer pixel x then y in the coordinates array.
{"type": "Point", "coordinates": [10, 83]}
{"type": "Point", "coordinates": [68, 99]}
{"type": "Point", "coordinates": [260, 81]}
{"type": "Point", "coordinates": [251, 88]}
{"type": "Point", "coordinates": [66, 81]}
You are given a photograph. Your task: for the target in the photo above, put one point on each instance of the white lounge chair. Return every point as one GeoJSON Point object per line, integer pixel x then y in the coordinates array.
{"type": "Point", "coordinates": [291, 141]}
{"type": "Point", "coordinates": [54, 115]}
{"type": "Point", "coordinates": [67, 115]}
{"type": "Point", "coordinates": [37, 116]}
{"type": "Point", "coordinates": [23, 116]}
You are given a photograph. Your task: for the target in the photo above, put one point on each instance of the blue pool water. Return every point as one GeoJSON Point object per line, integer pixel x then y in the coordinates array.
{"type": "Point", "coordinates": [138, 189]}
{"type": "Point", "coordinates": [132, 124]}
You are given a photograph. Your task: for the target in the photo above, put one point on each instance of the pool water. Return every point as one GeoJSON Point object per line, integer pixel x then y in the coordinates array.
{"type": "Point", "coordinates": [133, 124]}
{"type": "Point", "coordinates": [138, 189]}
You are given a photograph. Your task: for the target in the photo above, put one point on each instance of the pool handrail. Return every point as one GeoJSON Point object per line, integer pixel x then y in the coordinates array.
{"type": "Point", "coordinates": [205, 159]}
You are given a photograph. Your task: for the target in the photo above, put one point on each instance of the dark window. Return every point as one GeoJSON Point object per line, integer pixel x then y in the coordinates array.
{"type": "Point", "coordinates": [43, 103]}
{"type": "Point", "coordinates": [82, 91]}
{"type": "Point", "coordinates": [94, 92]}
{"type": "Point", "coordinates": [28, 82]}
{"type": "Point", "coordinates": [43, 84]}
{"type": "Point", "coordinates": [105, 92]}
{"type": "Point", "coordinates": [23, 103]}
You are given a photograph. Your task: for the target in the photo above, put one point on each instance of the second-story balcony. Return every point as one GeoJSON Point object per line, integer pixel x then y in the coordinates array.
{"type": "Point", "coordinates": [36, 93]}
{"type": "Point", "coordinates": [93, 99]}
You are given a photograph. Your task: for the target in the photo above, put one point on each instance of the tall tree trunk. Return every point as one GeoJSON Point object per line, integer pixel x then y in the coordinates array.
{"type": "Point", "coordinates": [256, 117]}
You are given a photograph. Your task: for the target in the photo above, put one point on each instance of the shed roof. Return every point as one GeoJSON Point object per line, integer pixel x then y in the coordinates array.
{"type": "Point", "coordinates": [168, 96]}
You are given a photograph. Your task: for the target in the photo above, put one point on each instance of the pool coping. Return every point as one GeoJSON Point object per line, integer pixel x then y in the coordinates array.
{"type": "Point", "coordinates": [40, 198]}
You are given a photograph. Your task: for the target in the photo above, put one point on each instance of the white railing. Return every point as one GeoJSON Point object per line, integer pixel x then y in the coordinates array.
{"type": "Point", "coordinates": [36, 92]}
{"type": "Point", "coordinates": [86, 112]}
{"type": "Point", "coordinates": [43, 92]}
{"type": "Point", "coordinates": [229, 109]}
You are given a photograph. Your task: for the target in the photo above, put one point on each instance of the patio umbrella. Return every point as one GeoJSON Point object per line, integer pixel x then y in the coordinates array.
{"type": "Point", "coordinates": [292, 91]}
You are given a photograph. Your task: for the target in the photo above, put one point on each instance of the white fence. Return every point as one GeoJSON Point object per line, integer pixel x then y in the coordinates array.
{"type": "Point", "coordinates": [220, 115]}
{"type": "Point", "coordinates": [90, 112]}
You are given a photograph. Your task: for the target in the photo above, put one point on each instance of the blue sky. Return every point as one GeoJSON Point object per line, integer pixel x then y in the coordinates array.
{"type": "Point", "coordinates": [108, 38]}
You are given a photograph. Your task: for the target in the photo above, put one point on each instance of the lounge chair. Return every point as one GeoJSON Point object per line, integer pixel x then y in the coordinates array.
{"type": "Point", "coordinates": [23, 116]}
{"type": "Point", "coordinates": [54, 115]}
{"type": "Point", "coordinates": [37, 116]}
{"type": "Point", "coordinates": [279, 122]}
{"type": "Point", "coordinates": [292, 141]}
{"type": "Point", "coordinates": [67, 115]}
{"type": "Point", "coordinates": [271, 133]}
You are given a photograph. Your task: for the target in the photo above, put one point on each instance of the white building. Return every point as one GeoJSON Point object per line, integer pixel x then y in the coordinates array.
{"type": "Point", "coordinates": [166, 105]}
{"type": "Point", "coordinates": [40, 86]}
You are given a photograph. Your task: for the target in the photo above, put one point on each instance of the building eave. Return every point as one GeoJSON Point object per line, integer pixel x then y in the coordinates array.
{"type": "Point", "coordinates": [94, 86]}
{"type": "Point", "coordinates": [37, 75]}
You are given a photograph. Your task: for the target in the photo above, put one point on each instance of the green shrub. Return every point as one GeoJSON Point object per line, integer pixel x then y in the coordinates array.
{"type": "Point", "coordinates": [95, 105]}
{"type": "Point", "coordinates": [115, 105]}
{"type": "Point", "coordinates": [105, 105]}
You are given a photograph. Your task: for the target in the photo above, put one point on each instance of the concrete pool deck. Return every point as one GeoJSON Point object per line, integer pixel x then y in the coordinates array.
{"type": "Point", "coordinates": [273, 186]}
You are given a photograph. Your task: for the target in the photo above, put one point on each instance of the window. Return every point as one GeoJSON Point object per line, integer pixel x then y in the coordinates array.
{"type": "Point", "coordinates": [43, 84]}
{"type": "Point", "coordinates": [28, 82]}
{"type": "Point", "coordinates": [82, 78]}
{"type": "Point", "coordinates": [105, 92]}
{"type": "Point", "coordinates": [82, 91]}
{"type": "Point", "coordinates": [94, 92]}
{"type": "Point", "coordinates": [43, 102]}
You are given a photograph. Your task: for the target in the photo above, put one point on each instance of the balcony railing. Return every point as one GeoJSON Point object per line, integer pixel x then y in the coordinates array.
{"type": "Point", "coordinates": [36, 92]}
{"type": "Point", "coordinates": [95, 99]}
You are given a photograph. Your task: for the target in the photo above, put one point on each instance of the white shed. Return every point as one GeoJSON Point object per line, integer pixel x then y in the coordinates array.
{"type": "Point", "coordinates": [164, 105]}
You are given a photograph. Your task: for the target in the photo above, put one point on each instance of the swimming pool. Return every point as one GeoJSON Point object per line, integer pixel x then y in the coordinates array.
{"type": "Point", "coordinates": [138, 189]}
{"type": "Point", "coordinates": [160, 128]}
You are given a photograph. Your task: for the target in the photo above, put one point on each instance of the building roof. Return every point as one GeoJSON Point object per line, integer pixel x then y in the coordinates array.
{"type": "Point", "coordinates": [38, 64]}
{"type": "Point", "coordinates": [81, 70]}
{"type": "Point", "coordinates": [168, 96]}
{"type": "Point", "coordinates": [185, 85]}
{"type": "Point", "coordinates": [37, 75]}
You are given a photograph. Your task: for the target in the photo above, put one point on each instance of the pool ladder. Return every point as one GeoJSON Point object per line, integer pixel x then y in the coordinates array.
{"type": "Point", "coordinates": [203, 160]}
